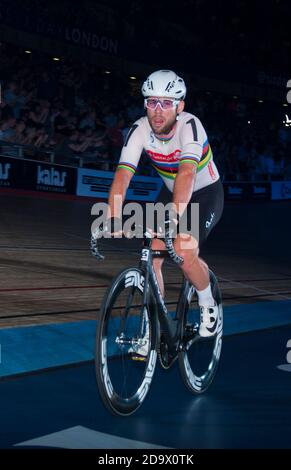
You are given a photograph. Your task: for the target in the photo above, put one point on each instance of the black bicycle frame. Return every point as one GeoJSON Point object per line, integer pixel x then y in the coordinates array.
{"type": "Point", "coordinates": [170, 327]}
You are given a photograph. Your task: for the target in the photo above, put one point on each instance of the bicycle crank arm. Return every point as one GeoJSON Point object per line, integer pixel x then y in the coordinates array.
{"type": "Point", "coordinates": [169, 331]}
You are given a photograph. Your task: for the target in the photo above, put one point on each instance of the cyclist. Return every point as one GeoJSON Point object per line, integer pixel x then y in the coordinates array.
{"type": "Point", "coordinates": [177, 145]}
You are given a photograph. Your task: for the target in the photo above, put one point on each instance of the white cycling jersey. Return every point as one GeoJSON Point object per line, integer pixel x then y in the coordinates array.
{"type": "Point", "coordinates": [188, 144]}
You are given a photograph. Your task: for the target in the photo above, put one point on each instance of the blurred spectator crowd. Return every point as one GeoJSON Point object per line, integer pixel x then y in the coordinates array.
{"type": "Point", "coordinates": [76, 114]}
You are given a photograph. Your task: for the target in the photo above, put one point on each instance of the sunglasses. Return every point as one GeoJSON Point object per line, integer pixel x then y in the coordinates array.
{"type": "Point", "coordinates": [152, 103]}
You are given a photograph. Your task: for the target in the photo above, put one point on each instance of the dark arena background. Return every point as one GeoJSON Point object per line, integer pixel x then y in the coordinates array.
{"type": "Point", "coordinates": [70, 75]}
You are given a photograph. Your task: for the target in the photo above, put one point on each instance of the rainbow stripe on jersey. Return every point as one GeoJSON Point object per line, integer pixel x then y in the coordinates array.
{"type": "Point", "coordinates": [167, 165]}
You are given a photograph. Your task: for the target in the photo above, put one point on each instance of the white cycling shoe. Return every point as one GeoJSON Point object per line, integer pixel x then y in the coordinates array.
{"type": "Point", "coordinates": [208, 321]}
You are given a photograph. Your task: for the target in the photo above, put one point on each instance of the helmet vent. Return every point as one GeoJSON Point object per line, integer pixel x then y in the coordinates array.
{"type": "Point", "coordinates": [168, 86]}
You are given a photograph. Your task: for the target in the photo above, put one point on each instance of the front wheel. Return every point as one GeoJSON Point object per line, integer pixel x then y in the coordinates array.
{"type": "Point", "coordinates": [199, 357]}
{"type": "Point", "coordinates": [126, 344]}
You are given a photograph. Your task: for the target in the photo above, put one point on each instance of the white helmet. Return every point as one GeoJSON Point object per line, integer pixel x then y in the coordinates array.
{"type": "Point", "coordinates": [164, 83]}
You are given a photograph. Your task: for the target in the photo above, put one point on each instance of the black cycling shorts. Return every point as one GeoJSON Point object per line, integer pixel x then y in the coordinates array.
{"type": "Point", "coordinates": [210, 200]}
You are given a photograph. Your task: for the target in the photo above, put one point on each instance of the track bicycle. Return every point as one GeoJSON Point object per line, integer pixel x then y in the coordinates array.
{"type": "Point", "coordinates": [134, 318]}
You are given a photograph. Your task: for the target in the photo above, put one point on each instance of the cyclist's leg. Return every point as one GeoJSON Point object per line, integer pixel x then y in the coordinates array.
{"type": "Point", "coordinates": [210, 201]}
{"type": "Point", "coordinates": [194, 268]}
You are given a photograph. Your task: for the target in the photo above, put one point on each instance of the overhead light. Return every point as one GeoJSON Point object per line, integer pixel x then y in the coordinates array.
{"type": "Point", "coordinates": [249, 122]}
{"type": "Point", "coordinates": [235, 97]}
{"type": "Point", "coordinates": [27, 52]}
{"type": "Point", "coordinates": [107, 72]}
{"type": "Point", "coordinates": [208, 93]}
{"type": "Point", "coordinates": [285, 104]}
{"type": "Point", "coordinates": [132, 78]}
{"type": "Point", "coordinates": [56, 58]}
{"type": "Point", "coordinates": [261, 101]}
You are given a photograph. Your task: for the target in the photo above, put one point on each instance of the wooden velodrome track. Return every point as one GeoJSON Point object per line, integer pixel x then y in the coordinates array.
{"type": "Point", "coordinates": [48, 274]}
{"type": "Point", "coordinates": [49, 279]}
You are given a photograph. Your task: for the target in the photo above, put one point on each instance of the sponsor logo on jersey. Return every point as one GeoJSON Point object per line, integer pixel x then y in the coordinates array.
{"type": "Point", "coordinates": [159, 157]}
{"type": "Point", "coordinates": [209, 222]}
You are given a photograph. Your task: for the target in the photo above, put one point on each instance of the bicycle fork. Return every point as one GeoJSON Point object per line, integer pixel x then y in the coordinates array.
{"type": "Point", "coordinates": [169, 327]}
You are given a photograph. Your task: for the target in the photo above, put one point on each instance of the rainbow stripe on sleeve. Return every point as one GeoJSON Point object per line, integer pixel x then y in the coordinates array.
{"type": "Point", "coordinates": [192, 158]}
{"type": "Point", "coordinates": [127, 166]}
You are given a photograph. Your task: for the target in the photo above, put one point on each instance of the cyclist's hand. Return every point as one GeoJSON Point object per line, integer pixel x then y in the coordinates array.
{"type": "Point", "coordinates": [111, 227]}
{"type": "Point", "coordinates": [165, 227]}
{"type": "Point", "coordinates": [94, 248]}
{"type": "Point", "coordinates": [171, 223]}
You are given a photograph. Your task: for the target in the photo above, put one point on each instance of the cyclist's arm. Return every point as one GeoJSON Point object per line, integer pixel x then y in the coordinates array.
{"type": "Point", "coordinates": [192, 137]}
{"type": "Point", "coordinates": [117, 192]}
{"type": "Point", "coordinates": [184, 186]}
{"type": "Point", "coordinates": [128, 162]}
